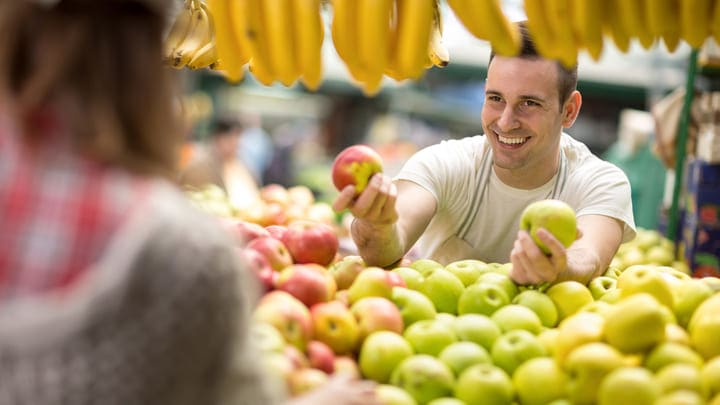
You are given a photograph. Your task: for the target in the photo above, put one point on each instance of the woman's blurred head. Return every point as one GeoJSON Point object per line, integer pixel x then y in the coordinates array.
{"type": "Point", "coordinates": [96, 67]}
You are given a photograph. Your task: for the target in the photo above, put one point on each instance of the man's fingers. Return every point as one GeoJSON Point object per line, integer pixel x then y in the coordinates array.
{"type": "Point", "coordinates": [344, 199]}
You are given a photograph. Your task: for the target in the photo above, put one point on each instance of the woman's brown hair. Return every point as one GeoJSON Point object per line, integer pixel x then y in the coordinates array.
{"type": "Point", "coordinates": [104, 57]}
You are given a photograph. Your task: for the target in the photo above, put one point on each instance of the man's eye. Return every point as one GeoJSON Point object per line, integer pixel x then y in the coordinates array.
{"type": "Point", "coordinates": [530, 103]}
{"type": "Point", "coordinates": [494, 98]}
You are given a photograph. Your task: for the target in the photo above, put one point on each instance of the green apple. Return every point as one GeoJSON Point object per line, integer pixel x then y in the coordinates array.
{"type": "Point", "coordinates": [429, 336]}
{"type": "Point", "coordinates": [600, 286]}
{"type": "Point", "coordinates": [424, 377]}
{"type": "Point", "coordinates": [612, 272]}
{"type": "Point", "coordinates": [446, 401]}
{"type": "Point", "coordinates": [501, 280]}
{"type": "Point", "coordinates": [659, 255]}
{"type": "Point", "coordinates": [443, 288]}
{"type": "Point", "coordinates": [412, 277]}
{"type": "Point", "coordinates": [710, 376]}
{"type": "Point", "coordinates": [482, 299]}
{"type": "Point", "coordinates": [576, 330]}
{"type": "Point", "coordinates": [514, 348]}
{"type": "Point", "coordinates": [514, 316]}
{"type": "Point", "coordinates": [556, 216]}
{"type": "Point", "coordinates": [391, 395]}
{"type": "Point", "coordinates": [467, 270]}
{"type": "Point", "coordinates": [461, 355]}
{"type": "Point", "coordinates": [586, 366]}
{"type": "Point", "coordinates": [682, 267]}
{"type": "Point", "coordinates": [713, 282]}
{"type": "Point", "coordinates": [447, 319]}
{"type": "Point", "coordinates": [666, 353]}
{"type": "Point", "coordinates": [680, 376]}
{"type": "Point", "coordinates": [380, 353]}
{"type": "Point", "coordinates": [477, 328]}
{"type": "Point", "coordinates": [688, 295]}
{"type": "Point", "coordinates": [676, 334]}
{"type": "Point", "coordinates": [539, 381]}
{"type": "Point", "coordinates": [683, 397]}
{"type": "Point", "coordinates": [425, 266]}
{"type": "Point", "coordinates": [611, 296]}
{"type": "Point", "coordinates": [614, 388]}
{"type": "Point", "coordinates": [484, 384]}
{"type": "Point", "coordinates": [645, 278]}
{"type": "Point", "coordinates": [635, 324]}
{"type": "Point", "coordinates": [704, 332]}
{"type": "Point", "coordinates": [371, 282]}
{"type": "Point", "coordinates": [600, 307]}
{"type": "Point", "coordinates": [539, 303]}
{"type": "Point", "coordinates": [569, 296]}
{"type": "Point", "coordinates": [631, 257]}
{"type": "Point", "coordinates": [548, 338]}
{"type": "Point", "coordinates": [413, 305]}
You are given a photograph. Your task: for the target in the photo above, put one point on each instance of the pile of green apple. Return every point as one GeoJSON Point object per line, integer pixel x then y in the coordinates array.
{"type": "Point", "coordinates": [465, 333]}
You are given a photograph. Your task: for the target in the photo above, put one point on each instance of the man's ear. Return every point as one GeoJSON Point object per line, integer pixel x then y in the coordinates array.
{"type": "Point", "coordinates": [571, 109]}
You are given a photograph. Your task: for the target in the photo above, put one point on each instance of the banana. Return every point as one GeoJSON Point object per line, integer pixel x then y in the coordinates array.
{"type": "Point", "coordinates": [238, 21]}
{"type": "Point", "coordinates": [715, 22]}
{"type": "Point", "coordinates": [634, 21]}
{"type": "Point", "coordinates": [260, 65]}
{"type": "Point", "coordinates": [391, 69]}
{"type": "Point", "coordinates": [695, 18]}
{"type": "Point", "coordinates": [559, 15]}
{"type": "Point", "coordinates": [413, 36]}
{"type": "Point", "coordinates": [309, 39]}
{"type": "Point", "coordinates": [205, 56]}
{"type": "Point", "coordinates": [662, 21]}
{"type": "Point", "coordinates": [474, 23]}
{"type": "Point", "coordinates": [437, 52]}
{"type": "Point", "coordinates": [226, 47]}
{"type": "Point", "coordinates": [539, 28]}
{"type": "Point", "coordinates": [373, 22]}
{"type": "Point", "coordinates": [281, 47]}
{"type": "Point", "coordinates": [485, 20]}
{"type": "Point", "coordinates": [179, 30]}
{"type": "Point", "coordinates": [587, 23]}
{"type": "Point", "coordinates": [201, 33]}
{"type": "Point", "coordinates": [613, 27]}
{"type": "Point", "coordinates": [345, 36]}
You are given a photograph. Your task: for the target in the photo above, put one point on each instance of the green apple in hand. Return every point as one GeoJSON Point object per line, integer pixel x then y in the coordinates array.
{"type": "Point", "coordinates": [556, 216]}
{"type": "Point", "coordinates": [379, 354]}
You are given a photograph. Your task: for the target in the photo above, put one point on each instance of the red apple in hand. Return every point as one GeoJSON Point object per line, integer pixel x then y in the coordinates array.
{"type": "Point", "coordinates": [274, 251]}
{"type": "Point", "coordinates": [311, 242]}
{"type": "Point", "coordinates": [310, 283]}
{"type": "Point", "coordinates": [355, 165]}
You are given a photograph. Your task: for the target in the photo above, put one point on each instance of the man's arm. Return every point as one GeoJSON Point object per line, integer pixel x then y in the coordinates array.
{"type": "Point", "coordinates": [389, 218]}
{"type": "Point", "coordinates": [585, 259]}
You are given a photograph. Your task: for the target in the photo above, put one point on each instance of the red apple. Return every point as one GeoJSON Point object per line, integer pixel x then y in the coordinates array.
{"type": "Point", "coordinates": [297, 358]}
{"type": "Point", "coordinates": [244, 231]}
{"type": "Point", "coordinates": [310, 283]}
{"type": "Point", "coordinates": [301, 195]}
{"type": "Point", "coordinates": [274, 251]}
{"type": "Point", "coordinates": [311, 242]}
{"type": "Point", "coordinates": [347, 365]}
{"type": "Point", "coordinates": [355, 165]}
{"type": "Point", "coordinates": [259, 266]}
{"type": "Point", "coordinates": [276, 231]}
{"type": "Point", "coordinates": [321, 356]}
{"type": "Point", "coordinates": [346, 270]}
{"type": "Point", "coordinates": [335, 325]}
{"type": "Point", "coordinates": [375, 314]}
{"type": "Point", "coordinates": [304, 380]}
{"type": "Point", "coordinates": [288, 315]}
{"type": "Point", "coordinates": [275, 193]}
{"type": "Point", "coordinates": [274, 214]}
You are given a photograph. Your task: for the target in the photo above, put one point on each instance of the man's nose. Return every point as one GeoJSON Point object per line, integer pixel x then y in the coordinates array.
{"type": "Point", "coordinates": [508, 120]}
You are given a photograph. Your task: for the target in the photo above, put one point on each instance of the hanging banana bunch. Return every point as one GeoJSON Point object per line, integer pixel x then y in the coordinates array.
{"type": "Point", "coordinates": [232, 48]}
{"type": "Point", "coordinates": [486, 20]}
{"type": "Point", "coordinates": [191, 39]}
{"type": "Point", "coordinates": [395, 38]}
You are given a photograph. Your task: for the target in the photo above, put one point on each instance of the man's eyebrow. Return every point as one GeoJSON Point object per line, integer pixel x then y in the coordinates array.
{"type": "Point", "coordinates": [522, 97]}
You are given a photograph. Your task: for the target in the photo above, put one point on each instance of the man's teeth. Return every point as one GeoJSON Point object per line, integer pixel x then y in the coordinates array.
{"type": "Point", "coordinates": [511, 141]}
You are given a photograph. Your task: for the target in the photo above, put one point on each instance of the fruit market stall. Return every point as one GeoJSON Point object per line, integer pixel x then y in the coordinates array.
{"type": "Point", "coordinates": [644, 332]}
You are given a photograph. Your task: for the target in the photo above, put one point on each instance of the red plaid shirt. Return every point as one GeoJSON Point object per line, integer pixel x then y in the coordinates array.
{"type": "Point", "coordinates": [58, 211]}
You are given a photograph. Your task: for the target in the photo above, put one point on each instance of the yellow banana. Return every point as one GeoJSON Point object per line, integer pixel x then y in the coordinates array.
{"type": "Point", "coordinates": [257, 40]}
{"type": "Point", "coordinates": [465, 13]}
{"type": "Point", "coordinates": [485, 20]}
{"type": "Point", "coordinates": [695, 18]}
{"type": "Point", "coordinates": [205, 56]}
{"type": "Point", "coordinates": [715, 22]}
{"type": "Point", "coordinates": [179, 30]}
{"type": "Point", "coordinates": [281, 47]}
{"type": "Point", "coordinates": [634, 20]}
{"type": "Point", "coordinates": [613, 27]}
{"type": "Point", "coordinates": [437, 52]}
{"type": "Point", "coordinates": [391, 69]}
{"type": "Point", "coordinates": [413, 36]}
{"type": "Point", "coordinates": [309, 35]}
{"type": "Point", "coordinates": [539, 28]}
{"type": "Point", "coordinates": [587, 23]}
{"type": "Point", "coordinates": [227, 48]}
{"type": "Point", "coordinates": [238, 21]}
{"type": "Point", "coordinates": [201, 33]}
{"type": "Point", "coordinates": [559, 15]}
{"type": "Point", "coordinates": [345, 35]}
{"type": "Point", "coordinates": [373, 22]}
{"type": "Point", "coordinates": [662, 21]}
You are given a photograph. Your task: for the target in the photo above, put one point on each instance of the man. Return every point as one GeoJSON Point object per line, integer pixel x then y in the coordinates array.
{"type": "Point", "coordinates": [463, 199]}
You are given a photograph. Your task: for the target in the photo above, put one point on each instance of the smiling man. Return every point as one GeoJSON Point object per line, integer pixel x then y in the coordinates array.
{"type": "Point", "coordinates": [463, 198]}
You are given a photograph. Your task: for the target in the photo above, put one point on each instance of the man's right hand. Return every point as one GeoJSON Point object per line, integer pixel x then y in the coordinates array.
{"type": "Point", "coordinates": [375, 205]}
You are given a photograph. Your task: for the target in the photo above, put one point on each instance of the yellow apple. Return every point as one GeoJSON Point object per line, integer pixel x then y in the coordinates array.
{"type": "Point", "coordinates": [628, 385]}
{"type": "Point", "coordinates": [569, 296]}
{"type": "Point", "coordinates": [645, 278]}
{"type": "Point", "coordinates": [635, 324]}
{"type": "Point", "coordinates": [539, 381]}
{"type": "Point", "coordinates": [586, 366]}
{"type": "Point", "coordinates": [680, 376]}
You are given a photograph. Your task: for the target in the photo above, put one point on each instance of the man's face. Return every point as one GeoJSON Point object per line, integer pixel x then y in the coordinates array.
{"type": "Point", "coordinates": [522, 117]}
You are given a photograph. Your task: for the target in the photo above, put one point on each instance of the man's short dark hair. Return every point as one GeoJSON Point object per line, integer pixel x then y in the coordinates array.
{"type": "Point", "coordinates": [567, 77]}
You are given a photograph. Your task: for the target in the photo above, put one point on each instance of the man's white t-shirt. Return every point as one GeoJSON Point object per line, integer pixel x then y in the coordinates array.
{"type": "Point", "coordinates": [478, 216]}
